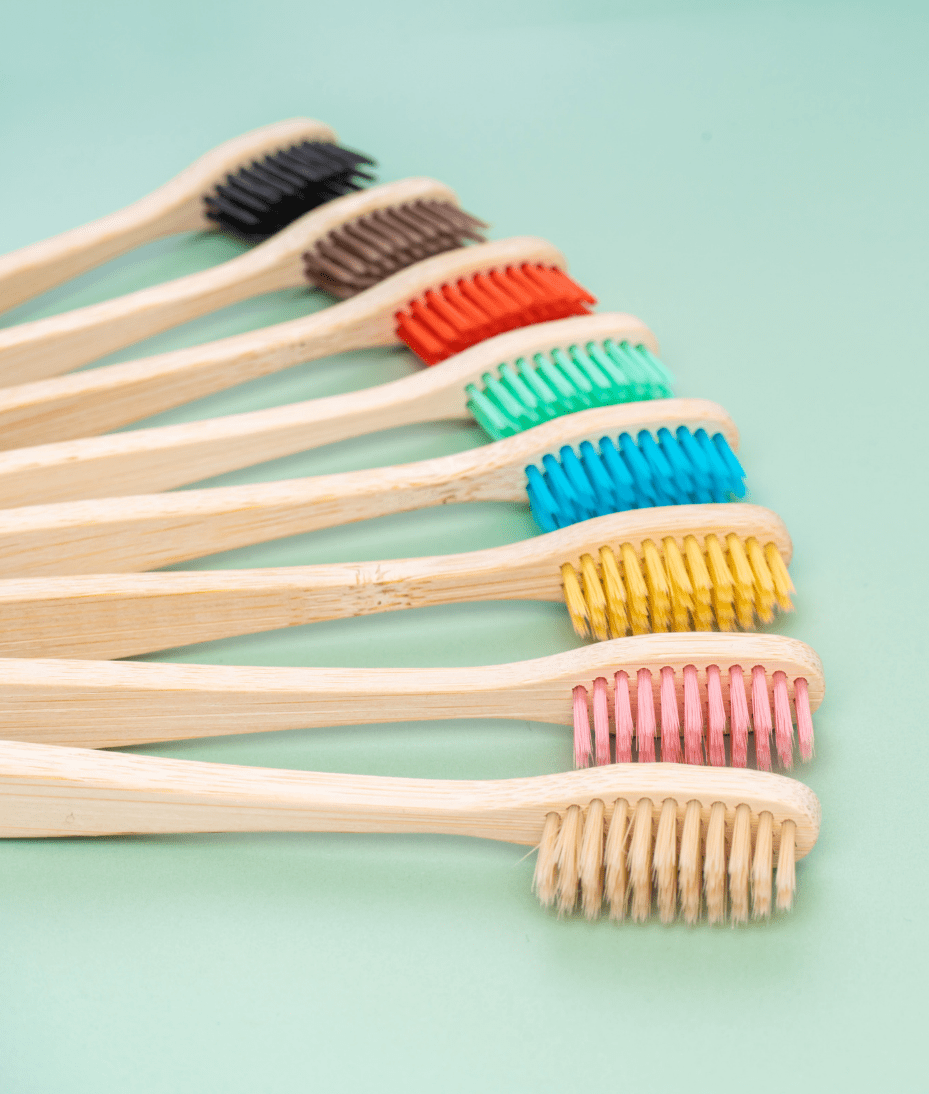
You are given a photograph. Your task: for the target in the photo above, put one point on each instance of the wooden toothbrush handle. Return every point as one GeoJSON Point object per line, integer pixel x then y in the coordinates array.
{"type": "Point", "coordinates": [47, 791]}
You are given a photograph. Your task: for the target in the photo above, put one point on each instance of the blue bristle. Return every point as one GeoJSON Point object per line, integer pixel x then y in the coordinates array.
{"type": "Point", "coordinates": [626, 474]}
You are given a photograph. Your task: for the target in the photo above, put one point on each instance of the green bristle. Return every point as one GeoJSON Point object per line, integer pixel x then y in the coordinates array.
{"type": "Point", "coordinates": [527, 393]}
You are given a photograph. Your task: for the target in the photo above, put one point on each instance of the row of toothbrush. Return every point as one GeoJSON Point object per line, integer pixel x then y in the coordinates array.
{"type": "Point", "coordinates": [635, 493]}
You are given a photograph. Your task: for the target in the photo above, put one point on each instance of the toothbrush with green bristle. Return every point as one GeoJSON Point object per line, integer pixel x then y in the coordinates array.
{"type": "Point", "coordinates": [508, 384]}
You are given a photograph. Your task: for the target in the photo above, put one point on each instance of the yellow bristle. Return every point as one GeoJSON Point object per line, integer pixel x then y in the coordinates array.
{"type": "Point", "coordinates": [722, 583]}
{"type": "Point", "coordinates": [682, 593]}
{"type": "Point", "coordinates": [614, 856]}
{"type": "Point", "coordinates": [615, 593]}
{"type": "Point", "coordinates": [574, 599]}
{"type": "Point", "coordinates": [701, 583]}
{"type": "Point", "coordinates": [596, 601]}
{"type": "Point", "coordinates": [658, 589]}
{"type": "Point", "coordinates": [636, 590]}
{"type": "Point", "coordinates": [764, 582]}
{"type": "Point", "coordinates": [744, 582]}
{"type": "Point", "coordinates": [783, 586]}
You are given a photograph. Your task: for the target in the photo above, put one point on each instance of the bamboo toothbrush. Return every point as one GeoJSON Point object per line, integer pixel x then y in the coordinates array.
{"type": "Point", "coordinates": [144, 532]}
{"type": "Point", "coordinates": [707, 840]}
{"type": "Point", "coordinates": [508, 383]}
{"type": "Point", "coordinates": [343, 247]}
{"type": "Point", "coordinates": [703, 682]}
{"type": "Point", "coordinates": [251, 186]}
{"type": "Point", "coordinates": [684, 568]}
{"type": "Point", "coordinates": [438, 307]}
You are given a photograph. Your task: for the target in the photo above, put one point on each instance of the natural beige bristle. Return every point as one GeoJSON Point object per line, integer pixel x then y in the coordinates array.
{"type": "Point", "coordinates": [591, 868]}
{"type": "Point", "coordinates": [786, 866]}
{"type": "Point", "coordinates": [690, 863]}
{"type": "Point", "coordinates": [762, 866]}
{"type": "Point", "coordinates": [714, 864]}
{"type": "Point", "coordinates": [640, 861]}
{"type": "Point", "coordinates": [740, 863]}
{"type": "Point", "coordinates": [665, 861]}
{"type": "Point", "coordinates": [567, 854]}
{"type": "Point", "coordinates": [546, 864]}
{"type": "Point", "coordinates": [615, 872]}
{"type": "Point", "coordinates": [657, 588]}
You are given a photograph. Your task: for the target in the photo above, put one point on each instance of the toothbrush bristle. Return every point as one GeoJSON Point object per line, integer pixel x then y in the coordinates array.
{"type": "Point", "coordinates": [261, 199]}
{"type": "Point", "coordinates": [667, 857]}
{"type": "Point", "coordinates": [524, 393]}
{"type": "Point", "coordinates": [633, 474]}
{"type": "Point", "coordinates": [368, 249]}
{"type": "Point", "coordinates": [678, 591]}
{"type": "Point", "coordinates": [454, 317]}
{"type": "Point", "coordinates": [693, 700]}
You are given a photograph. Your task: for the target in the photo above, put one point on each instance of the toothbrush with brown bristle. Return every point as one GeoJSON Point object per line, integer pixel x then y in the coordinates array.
{"type": "Point", "coordinates": [645, 466]}
{"type": "Point", "coordinates": [251, 187]}
{"type": "Point", "coordinates": [690, 567]}
{"type": "Point", "coordinates": [507, 383]}
{"type": "Point", "coordinates": [438, 306]}
{"type": "Point", "coordinates": [627, 839]}
{"type": "Point", "coordinates": [700, 685]}
{"type": "Point", "coordinates": [343, 247]}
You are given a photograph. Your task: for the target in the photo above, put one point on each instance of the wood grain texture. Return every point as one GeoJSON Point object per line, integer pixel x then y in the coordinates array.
{"type": "Point", "coordinates": [146, 531]}
{"type": "Point", "coordinates": [177, 206]}
{"type": "Point", "coordinates": [121, 615]}
{"type": "Point", "coordinates": [48, 791]}
{"type": "Point", "coordinates": [150, 460]}
{"type": "Point", "coordinates": [88, 403]}
{"type": "Point", "coordinates": [104, 704]}
{"type": "Point", "coordinates": [59, 343]}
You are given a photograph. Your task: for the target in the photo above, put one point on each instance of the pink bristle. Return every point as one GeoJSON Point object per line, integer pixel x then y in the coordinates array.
{"type": "Point", "coordinates": [645, 722]}
{"type": "Point", "coordinates": [716, 719]}
{"type": "Point", "coordinates": [783, 727]}
{"type": "Point", "coordinates": [761, 718]}
{"type": "Point", "coordinates": [693, 717]}
{"type": "Point", "coordinates": [804, 718]}
{"type": "Point", "coordinates": [623, 715]}
{"type": "Point", "coordinates": [670, 719]}
{"type": "Point", "coordinates": [738, 717]}
{"type": "Point", "coordinates": [601, 723]}
{"type": "Point", "coordinates": [581, 728]}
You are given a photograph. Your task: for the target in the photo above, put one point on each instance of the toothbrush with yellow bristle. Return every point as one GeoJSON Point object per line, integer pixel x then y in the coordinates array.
{"type": "Point", "coordinates": [679, 692]}
{"type": "Point", "coordinates": [689, 567]}
{"type": "Point", "coordinates": [631, 840]}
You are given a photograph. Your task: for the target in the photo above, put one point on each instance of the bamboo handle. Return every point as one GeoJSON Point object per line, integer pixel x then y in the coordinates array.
{"type": "Point", "coordinates": [175, 207]}
{"type": "Point", "coordinates": [112, 704]}
{"type": "Point", "coordinates": [94, 401]}
{"type": "Point", "coordinates": [148, 531]}
{"type": "Point", "coordinates": [122, 615]}
{"type": "Point", "coordinates": [55, 792]}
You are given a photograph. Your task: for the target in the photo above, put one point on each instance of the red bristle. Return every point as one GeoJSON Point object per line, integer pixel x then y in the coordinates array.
{"type": "Point", "coordinates": [804, 718]}
{"type": "Point", "coordinates": [581, 728]}
{"type": "Point", "coordinates": [645, 721]}
{"type": "Point", "coordinates": [601, 723]}
{"type": "Point", "coordinates": [670, 719]}
{"type": "Point", "coordinates": [716, 721]}
{"type": "Point", "coordinates": [783, 727]}
{"type": "Point", "coordinates": [440, 324]}
{"type": "Point", "coordinates": [761, 718]}
{"type": "Point", "coordinates": [693, 717]}
{"type": "Point", "coordinates": [623, 717]}
{"type": "Point", "coordinates": [738, 717]}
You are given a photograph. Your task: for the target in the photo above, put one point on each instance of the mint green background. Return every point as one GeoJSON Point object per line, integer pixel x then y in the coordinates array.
{"type": "Point", "coordinates": [748, 178]}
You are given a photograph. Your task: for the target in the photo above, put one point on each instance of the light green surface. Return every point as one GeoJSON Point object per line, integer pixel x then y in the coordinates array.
{"type": "Point", "coordinates": [750, 180]}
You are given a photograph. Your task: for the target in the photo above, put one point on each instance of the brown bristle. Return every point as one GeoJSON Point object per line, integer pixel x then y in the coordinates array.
{"type": "Point", "coordinates": [370, 248]}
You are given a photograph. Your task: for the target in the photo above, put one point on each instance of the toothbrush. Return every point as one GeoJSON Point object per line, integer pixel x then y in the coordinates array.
{"type": "Point", "coordinates": [684, 568]}
{"type": "Point", "coordinates": [438, 307]}
{"type": "Point", "coordinates": [147, 531]}
{"type": "Point", "coordinates": [344, 247]}
{"type": "Point", "coordinates": [548, 369]}
{"type": "Point", "coordinates": [704, 683]}
{"type": "Point", "coordinates": [251, 186]}
{"type": "Point", "coordinates": [706, 839]}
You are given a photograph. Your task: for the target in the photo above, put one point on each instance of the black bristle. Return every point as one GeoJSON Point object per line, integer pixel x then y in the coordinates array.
{"type": "Point", "coordinates": [266, 196]}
